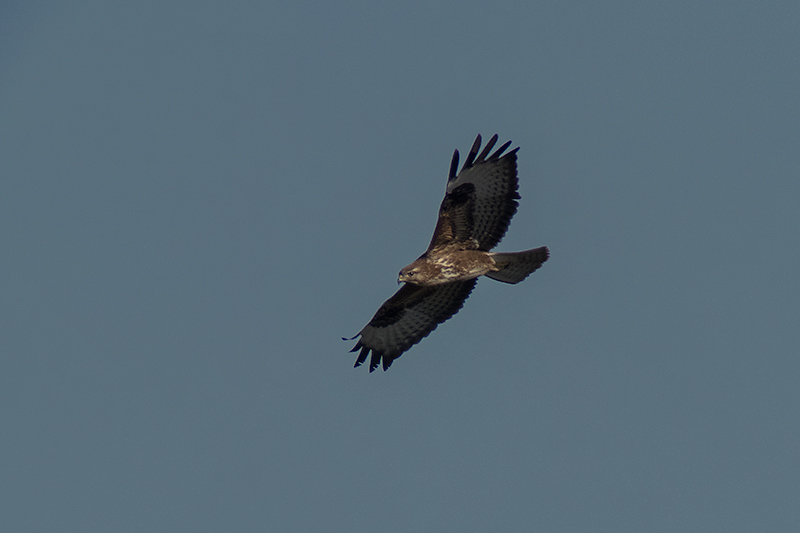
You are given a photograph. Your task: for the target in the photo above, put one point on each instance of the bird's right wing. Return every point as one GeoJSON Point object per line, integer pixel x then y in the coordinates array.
{"type": "Point", "coordinates": [406, 318]}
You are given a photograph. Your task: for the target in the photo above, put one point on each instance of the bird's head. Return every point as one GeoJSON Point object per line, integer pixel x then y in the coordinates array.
{"type": "Point", "coordinates": [409, 274]}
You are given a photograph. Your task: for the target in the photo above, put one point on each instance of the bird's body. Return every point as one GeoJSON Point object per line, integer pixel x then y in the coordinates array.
{"type": "Point", "coordinates": [474, 216]}
{"type": "Point", "coordinates": [446, 264]}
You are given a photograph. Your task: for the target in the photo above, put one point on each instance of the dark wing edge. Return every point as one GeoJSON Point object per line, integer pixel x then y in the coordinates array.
{"type": "Point", "coordinates": [406, 318]}
{"type": "Point", "coordinates": [473, 159]}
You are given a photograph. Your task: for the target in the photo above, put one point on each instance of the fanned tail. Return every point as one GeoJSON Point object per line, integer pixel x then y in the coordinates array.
{"type": "Point", "coordinates": [516, 266]}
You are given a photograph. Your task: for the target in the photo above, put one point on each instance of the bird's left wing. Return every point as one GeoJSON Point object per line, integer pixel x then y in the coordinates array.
{"type": "Point", "coordinates": [480, 199]}
{"type": "Point", "coordinates": [406, 318]}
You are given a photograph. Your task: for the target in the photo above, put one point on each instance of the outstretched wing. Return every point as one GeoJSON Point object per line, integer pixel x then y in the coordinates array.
{"type": "Point", "coordinates": [480, 200]}
{"type": "Point", "coordinates": [406, 318]}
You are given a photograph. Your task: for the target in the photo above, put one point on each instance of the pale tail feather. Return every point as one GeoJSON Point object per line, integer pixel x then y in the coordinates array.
{"type": "Point", "coordinates": [517, 266]}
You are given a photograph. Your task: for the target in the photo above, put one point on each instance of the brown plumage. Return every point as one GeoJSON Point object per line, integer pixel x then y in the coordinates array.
{"type": "Point", "coordinates": [474, 216]}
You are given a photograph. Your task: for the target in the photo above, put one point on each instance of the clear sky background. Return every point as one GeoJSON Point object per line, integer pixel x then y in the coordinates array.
{"type": "Point", "coordinates": [198, 200]}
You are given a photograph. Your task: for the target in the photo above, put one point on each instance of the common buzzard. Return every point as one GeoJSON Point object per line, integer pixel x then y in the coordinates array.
{"type": "Point", "coordinates": [474, 215]}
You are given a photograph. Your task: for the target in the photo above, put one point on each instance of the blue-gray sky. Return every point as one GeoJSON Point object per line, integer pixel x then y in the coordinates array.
{"type": "Point", "coordinates": [198, 200]}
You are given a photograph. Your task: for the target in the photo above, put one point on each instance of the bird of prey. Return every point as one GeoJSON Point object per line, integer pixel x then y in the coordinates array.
{"type": "Point", "coordinates": [475, 213]}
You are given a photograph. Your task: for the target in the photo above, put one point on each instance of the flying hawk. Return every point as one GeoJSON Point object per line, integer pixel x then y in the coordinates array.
{"type": "Point", "coordinates": [474, 215]}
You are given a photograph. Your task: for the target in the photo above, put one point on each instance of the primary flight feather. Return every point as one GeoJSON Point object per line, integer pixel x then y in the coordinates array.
{"type": "Point", "coordinates": [475, 213]}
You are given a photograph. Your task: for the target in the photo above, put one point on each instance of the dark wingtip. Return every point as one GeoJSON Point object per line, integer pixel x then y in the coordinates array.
{"type": "Point", "coordinates": [472, 153]}
{"type": "Point", "coordinates": [374, 361]}
{"type": "Point", "coordinates": [453, 166]}
{"type": "Point", "coordinates": [361, 356]}
{"type": "Point", "coordinates": [486, 148]}
{"type": "Point", "coordinates": [500, 150]}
